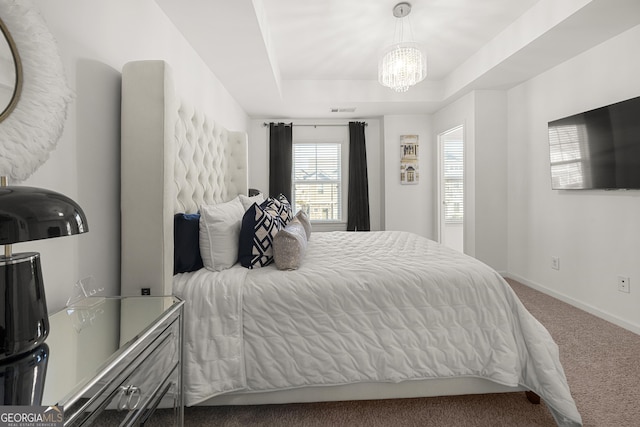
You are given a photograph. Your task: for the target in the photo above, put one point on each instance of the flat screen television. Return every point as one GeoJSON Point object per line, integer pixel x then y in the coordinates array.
{"type": "Point", "coordinates": [597, 149]}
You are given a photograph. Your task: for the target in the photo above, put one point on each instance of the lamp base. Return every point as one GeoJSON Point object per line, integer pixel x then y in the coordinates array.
{"type": "Point", "coordinates": [22, 378]}
{"type": "Point", "coordinates": [24, 322]}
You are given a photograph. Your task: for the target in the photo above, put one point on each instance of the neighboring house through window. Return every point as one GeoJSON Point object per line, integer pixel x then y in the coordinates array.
{"type": "Point", "coordinates": [318, 172]}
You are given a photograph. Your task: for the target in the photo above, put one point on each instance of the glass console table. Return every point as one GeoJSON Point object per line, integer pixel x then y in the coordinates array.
{"type": "Point", "coordinates": [119, 357]}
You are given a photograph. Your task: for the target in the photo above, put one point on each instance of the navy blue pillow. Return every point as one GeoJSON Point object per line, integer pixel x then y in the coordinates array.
{"type": "Point", "coordinates": [186, 243]}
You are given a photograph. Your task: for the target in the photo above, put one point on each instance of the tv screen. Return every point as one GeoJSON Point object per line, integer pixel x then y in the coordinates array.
{"type": "Point", "coordinates": [597, 149]}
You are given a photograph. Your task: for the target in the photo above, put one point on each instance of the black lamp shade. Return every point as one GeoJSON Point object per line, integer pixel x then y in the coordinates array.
{"type": "Point", "coordinates": [29, 213]}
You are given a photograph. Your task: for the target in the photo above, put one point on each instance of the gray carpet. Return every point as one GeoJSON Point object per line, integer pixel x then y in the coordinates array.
{"type": "Point", "coordinates": [601, 361]}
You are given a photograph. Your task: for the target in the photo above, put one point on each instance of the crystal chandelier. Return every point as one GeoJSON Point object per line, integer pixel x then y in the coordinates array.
{"type": "Point", "coordinates": [402, 64]}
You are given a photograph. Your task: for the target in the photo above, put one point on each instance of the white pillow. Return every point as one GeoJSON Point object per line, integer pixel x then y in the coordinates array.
{"type": "Point", "coordinates": [219, 233]}
{"type": "Point", "coordinates": [304, 220]}
{"type": "Point", "coordinates": [248, 201]}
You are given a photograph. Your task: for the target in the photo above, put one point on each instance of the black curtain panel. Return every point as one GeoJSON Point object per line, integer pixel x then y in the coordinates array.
{"type": "Point", "coordinates": [358, 198]}
{"type": "Point", "coordinates": [280, 159]}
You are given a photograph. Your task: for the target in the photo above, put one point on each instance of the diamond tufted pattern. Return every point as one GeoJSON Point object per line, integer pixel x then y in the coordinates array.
{"type": "Point", "coordinates": [174, 158]}
{"type": "Point", "coordinates": [208, 164]}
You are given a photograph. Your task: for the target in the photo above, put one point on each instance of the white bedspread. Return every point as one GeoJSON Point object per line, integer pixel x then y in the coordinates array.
{"type": "Point", "coordinates": [379, 306]}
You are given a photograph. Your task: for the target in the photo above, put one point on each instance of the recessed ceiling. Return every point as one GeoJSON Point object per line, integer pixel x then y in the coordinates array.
{"type": "Point", "coordinates": [342, 39]}
{"type": "Point", "coordinates": [300, 58]}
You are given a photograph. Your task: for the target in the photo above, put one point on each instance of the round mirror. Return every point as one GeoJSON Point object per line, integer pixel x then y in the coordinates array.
{"type": "Point", "coordinates": [33, 118]}
{"type": "Point", "coordinates": [10, 73]}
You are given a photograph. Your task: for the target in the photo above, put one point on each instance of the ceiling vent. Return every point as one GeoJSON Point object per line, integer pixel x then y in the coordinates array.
{"type": "Point", "coordinates": [343, 110]}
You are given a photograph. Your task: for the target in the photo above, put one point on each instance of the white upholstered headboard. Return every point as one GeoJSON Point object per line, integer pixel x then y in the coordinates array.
{"type": "Point", "coordinates": [173, 159]}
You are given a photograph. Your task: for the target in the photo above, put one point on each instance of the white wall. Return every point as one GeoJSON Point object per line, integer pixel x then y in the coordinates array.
{"type": "Point", "coordinates": [393, 206]}
{"type": "Point", "coordinates": [409, 207]}
{"type": "Point", "coordinates": [491, 178]}
{"type": "Point", "coordinates": [259, 155]}
{"type": "Point", "coordinates": [96, 38]}
{"type": "Point", "coordinates": [484, 117]}
{"type": "Point", "coordinates": [596, 234]}
{"type": "Point", "coordinates": [462, 112]}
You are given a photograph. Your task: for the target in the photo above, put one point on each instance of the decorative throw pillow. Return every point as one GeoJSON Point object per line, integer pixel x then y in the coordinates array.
{"type": "Point", "coordinates": [219, 232]}
{"type": "Point", "coordinates": [287, 210]}
{"type": "Point", "coordinates": [259, 226]}
{"type": "Point", "coordinates": [279, 208]}
{"type": "Point", "coordinates": [289, 246]}
{"type": "Point", "coordinates": [186, 246]}
{"type": "Point", "coordinates": [304, 220]}
{"type": "Point", "coordinates": [248, 201]}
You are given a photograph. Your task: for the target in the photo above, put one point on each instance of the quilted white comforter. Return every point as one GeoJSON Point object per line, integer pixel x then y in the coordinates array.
{"type": "Point", "coordinates": [378, 306]}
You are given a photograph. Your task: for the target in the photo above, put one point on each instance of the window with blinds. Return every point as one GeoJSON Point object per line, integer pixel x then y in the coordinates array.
{"type": "Point", "coordinates": [317, 180]}
{"type": "Point", "coordinates": [453, 173]}
{"type": "Point", "coordinates": [567, 160]}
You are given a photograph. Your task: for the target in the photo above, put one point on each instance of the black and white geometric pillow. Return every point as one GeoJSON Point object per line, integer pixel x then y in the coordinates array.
{"type": "Point", "coordinates": [287, 210]}
{"type": "Point", "coordinates": [280, 208]}
{"type": "Point", "coordinates": [259, 227]}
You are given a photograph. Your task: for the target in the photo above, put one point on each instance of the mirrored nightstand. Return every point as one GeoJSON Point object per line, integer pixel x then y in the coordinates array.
{"type": "Point", "coordinates": [116, 356]}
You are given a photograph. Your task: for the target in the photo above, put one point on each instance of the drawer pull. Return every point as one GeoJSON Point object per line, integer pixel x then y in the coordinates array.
{"type": "Point", "coordinates": [127, 396]}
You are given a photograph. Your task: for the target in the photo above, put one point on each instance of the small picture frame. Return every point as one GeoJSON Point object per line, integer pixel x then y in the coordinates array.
{"type": "Point", "coordinates": [409, 170]}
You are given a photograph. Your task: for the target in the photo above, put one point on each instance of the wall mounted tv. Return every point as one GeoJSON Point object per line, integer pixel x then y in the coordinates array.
{"type": "Point", "coordinates": [597, 149]}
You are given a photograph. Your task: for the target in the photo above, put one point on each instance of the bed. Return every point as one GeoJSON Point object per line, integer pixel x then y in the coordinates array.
{"type": "Point", "coordinates": [388, 315]}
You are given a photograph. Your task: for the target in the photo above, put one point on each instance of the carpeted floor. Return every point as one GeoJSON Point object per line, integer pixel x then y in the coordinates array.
{"type": "Point", "coordinates": [601, 361]}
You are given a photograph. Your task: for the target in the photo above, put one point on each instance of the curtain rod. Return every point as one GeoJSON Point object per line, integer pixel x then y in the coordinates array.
{"type": "Point", "coordinates": [265, 124]}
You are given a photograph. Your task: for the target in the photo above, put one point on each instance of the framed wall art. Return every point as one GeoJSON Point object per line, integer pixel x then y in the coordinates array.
{"type": "Point", "coordinates": [409, 173]}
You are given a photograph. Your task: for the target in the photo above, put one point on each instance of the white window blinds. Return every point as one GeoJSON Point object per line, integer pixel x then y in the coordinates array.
{"type": "Point", "coordinates": [567, 160]}
{"type": "Point", "coordinates": [453, 181]}
{"type": "Point", "coordinates": [317, 180]}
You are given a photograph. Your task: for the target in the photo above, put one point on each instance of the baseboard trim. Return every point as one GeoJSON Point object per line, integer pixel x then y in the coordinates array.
{"type": "Point", "coordinates": [571, 301]}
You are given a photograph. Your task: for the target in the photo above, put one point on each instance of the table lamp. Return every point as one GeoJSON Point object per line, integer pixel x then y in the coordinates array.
{"type": "Point", "coordinates": [29, 213]}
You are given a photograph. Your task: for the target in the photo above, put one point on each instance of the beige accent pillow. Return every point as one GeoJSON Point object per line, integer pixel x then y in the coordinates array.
{"type": "Point", "coordinates": [289, 246]}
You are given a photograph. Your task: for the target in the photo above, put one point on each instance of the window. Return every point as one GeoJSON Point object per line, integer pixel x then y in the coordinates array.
{"type": "Point", "coordinates": [317, 180]}
{"type": "Point", "coordinates": [568, 163]}
{"type": "Point", "coordinates": [453, 181]}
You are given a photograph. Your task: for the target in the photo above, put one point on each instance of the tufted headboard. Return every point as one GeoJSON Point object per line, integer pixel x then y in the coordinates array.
{"type": "Point", "coordinates": [173, 159]}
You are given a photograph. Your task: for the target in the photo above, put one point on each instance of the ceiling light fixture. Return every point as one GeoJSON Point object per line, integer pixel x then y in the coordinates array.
{"type": "Point", "coordinates": [402, 64]}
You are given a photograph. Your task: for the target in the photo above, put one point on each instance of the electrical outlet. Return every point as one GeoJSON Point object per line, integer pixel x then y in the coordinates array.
{"type": "Point", "coordinates": [623, 284]}
{"type": "Point", "coordinates": [555, 263]}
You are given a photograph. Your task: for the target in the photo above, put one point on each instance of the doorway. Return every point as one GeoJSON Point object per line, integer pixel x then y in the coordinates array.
{"type": "Point", "coordinates": [451, 187]}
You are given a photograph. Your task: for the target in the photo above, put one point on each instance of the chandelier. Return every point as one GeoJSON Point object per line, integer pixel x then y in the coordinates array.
{"type": "Point", "coordinates": [402, 64]}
